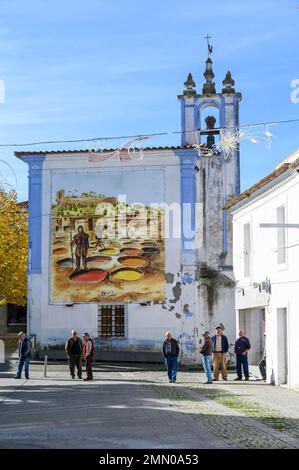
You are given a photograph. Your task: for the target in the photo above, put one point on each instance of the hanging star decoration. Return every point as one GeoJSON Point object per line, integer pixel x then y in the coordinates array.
{"type": "Point", "coordinates": [230, 141]}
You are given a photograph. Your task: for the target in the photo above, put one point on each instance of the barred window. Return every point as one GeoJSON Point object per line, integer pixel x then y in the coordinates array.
{"type": "Point", "coordinates": [111, 321]}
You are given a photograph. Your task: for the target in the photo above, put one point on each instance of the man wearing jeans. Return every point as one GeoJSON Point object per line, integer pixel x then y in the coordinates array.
{"type": "Point", "coordinates": [206, 352]}
{"type": "Point", "coordinates": [24, 355]}
{"type": "Point", "coordinates": [171, 352]}
{"type": "Point", "coordinates": [242, 346]}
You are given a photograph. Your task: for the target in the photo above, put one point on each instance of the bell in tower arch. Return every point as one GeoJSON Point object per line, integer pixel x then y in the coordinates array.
{"type": "Point", "coordinates": [210, 122]}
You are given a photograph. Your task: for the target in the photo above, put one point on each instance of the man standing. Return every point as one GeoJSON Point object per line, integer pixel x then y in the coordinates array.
{"type": "Point", "coordinates": [206, 352]}
{"type": "Point", "coordinates": [220, 348]}
{"type": "Point", "coordinates": [171, 351]}
{"type": "Point", "coordinates": [242, 346]}
{"type": "Point", "coordinates": [73, 349]}
{"type": "Point", "coordinates": [24, 355]}
{"type": "Point", "coordinates": [88, 349]}
{"type": "Point", "coordinates": [262, 363]}
{"type": "Point", "coordinates": [82, 245]}
{"type": "Point", "coordinates": [99, 235]}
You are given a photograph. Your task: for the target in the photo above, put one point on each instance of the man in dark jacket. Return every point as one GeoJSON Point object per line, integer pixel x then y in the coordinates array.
{"type": "Point", "coordinates": [242, 346]}
{"type": "Point", "coordinates": [220, 348]}
{"type": "Point", "coordinates": [81, 242]}
{"type": "Point", "coordinates": [24, 355]}
{"type": "Point", "coordinates": [206, 352]}
{"type": "Point", "coordinates": [73, 349]}
{"type": "Point", "coordinates": [171, 351]}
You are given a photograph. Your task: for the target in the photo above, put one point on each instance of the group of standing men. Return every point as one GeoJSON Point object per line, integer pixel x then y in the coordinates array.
{"type": "Point", "coordinates": [75, 349]}
{"type": "Point", "coordinates": [214, 349]}
{"type": "Point", "coordinates": [217, 348]}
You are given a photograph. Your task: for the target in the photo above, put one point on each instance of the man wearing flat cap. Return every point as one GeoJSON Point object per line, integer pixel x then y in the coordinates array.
{"type": "Point", "coordinates": [220, 348]}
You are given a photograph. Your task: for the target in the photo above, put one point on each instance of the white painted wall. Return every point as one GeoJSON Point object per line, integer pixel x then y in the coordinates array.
{"type": "Point", "coordinates": [53, 323]}
{"type": "Point", "coordinates": [284, 277]}
{"type": "Point", "coordinates": [146, 325]}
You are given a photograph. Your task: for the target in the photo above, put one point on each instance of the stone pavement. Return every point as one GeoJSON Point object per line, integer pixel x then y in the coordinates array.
{"type": "Point", "coordinates": [134, 406]}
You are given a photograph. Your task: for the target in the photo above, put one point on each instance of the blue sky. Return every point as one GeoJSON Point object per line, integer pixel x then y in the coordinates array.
{"type": "Point", "coordinates": [76, 69]}
{"type": "Point", "coordinates": [128, 186]}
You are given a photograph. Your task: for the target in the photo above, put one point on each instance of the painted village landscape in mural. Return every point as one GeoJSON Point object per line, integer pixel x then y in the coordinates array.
{"type": "Point", "coordinates": [105, 250]}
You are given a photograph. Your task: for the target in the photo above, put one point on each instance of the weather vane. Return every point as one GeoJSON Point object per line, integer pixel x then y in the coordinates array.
{"type": "Point", "coordinates": [210, 47]}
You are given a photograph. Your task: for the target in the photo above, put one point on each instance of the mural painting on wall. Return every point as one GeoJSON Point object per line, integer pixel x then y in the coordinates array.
{"type": "Point", "coordinates": [105, 246]}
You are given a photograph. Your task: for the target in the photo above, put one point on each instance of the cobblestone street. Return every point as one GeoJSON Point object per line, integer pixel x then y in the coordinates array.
{"type": "Point", "coordinates": [134, 406]}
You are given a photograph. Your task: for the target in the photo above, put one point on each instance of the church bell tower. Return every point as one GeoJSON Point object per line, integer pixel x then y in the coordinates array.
{"type": "Point", "coordinates": [194, 127]}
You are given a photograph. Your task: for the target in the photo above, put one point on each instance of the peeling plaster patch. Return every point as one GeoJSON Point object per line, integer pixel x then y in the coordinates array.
{"type": "Point", "coordinates": [169, 277]}
{"type": "Point", "coordinates": [177, 292]}
{"type": "Point", "coordinates": [186, 311]}
{"type": "Point", "coordinates": [189, 345]}
{"type": "Point", "coordinates": [165, 306]}
{"type": "Point", "coordinates": [185, 335]}
{"type": "Point", "coordinates": [178, 315]}
{"type": "Point", "coordinates": [187, 278]}
{"type": "Point", "coordinates": [200, 341]}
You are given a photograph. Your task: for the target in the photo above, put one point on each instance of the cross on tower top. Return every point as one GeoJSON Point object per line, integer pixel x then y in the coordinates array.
{"type": "Point", "coordinates": [210, 47]}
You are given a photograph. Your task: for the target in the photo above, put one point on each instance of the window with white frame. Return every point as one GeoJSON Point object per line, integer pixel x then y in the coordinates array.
{"type": "Point", "coordinates": [281, 247]}
{"type": "Point", "coordinates": [111, 321]}
{"type": "Point", "coordinates": [247, 249]}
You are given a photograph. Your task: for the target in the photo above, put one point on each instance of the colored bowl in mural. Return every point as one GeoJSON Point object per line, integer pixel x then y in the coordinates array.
{"type": "Point", "coordinates": [65, 262]}
{"type": "Point", "coordinates": [91, 276]}
{"type": "Point", "coordinates": [132, 242]}
{"type": "Point", "coordinates": [109, 251]}
{"type": "Point", "coordinates": [126, 274]}
{"type": "Point", "coordinates": [96, 260]}
{"type": "Point", "coordinates": [151, 250]}
{"type": "Point", "coordinates": [131, 251]}
{"type": "Point", "coordinates": [59, 251]}
{"type": "Point", "coordinates": [133, 261]}
{"type": "Point", "coordinates": [148, 244]}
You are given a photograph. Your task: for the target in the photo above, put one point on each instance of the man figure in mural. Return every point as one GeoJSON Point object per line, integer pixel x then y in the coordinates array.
{"type": "Point", "coordinates": [99, 235]}
{"type": "Point", "coordinates": [171, 351]}
{"type": "Point", "coordinates": [220, 348]}
{"type": "Point", "coordinates": [73, 349]}
{"type": "Point", "coordinates": [88, 349]}
{"type": "Point", "coordinates": [242, 346]}
{"type": "Point", "coordinates": [206, 352]}
{"type": "Point", "coordinates": [81, 242]}
{"type": "Point", "coordinates": [24, 355]}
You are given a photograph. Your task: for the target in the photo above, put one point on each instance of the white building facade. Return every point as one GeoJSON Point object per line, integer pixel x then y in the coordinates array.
{"type": "Point", "coordinates": [265, 256]}
{"type": "Point", "coordinates": [198, 289]}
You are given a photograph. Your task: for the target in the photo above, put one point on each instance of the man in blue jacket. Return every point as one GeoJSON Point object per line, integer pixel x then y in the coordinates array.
{"type": "Point", "coordinates": [24, 355]}
{"type": "Point", "coordinates": [242, 346]}
{"type": "Point", "coordinates": [220, 348]}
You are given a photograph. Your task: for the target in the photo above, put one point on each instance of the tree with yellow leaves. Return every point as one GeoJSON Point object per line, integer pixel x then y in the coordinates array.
{"type": "Point", "coordinates": [13, 250]}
